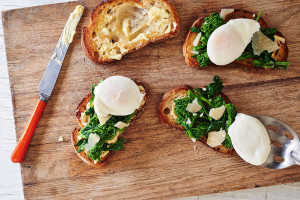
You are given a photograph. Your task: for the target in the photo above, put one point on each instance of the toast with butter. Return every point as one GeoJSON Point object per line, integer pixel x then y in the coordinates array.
{"type": "Point", "coordinates": [86, 120]}
{"type": "Point", "coordinates": [178, 109]}
{"type": "Point", "coordinates": [118, 27]}
{"type": "Point", "coordinates": [280, 55]}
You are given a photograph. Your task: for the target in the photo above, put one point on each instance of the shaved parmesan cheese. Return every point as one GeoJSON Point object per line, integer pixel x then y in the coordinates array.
{"type": "Point", "coordinates": [225, 12]}
{"type": "Point", "coordinates": [121, 125]}
{"type": "Point", "coordinates": [260, 43]}
{"type": "Point", "coordinates": [194, 52]}
{"type": "Point", "coordinates": [104, 154]}
{"type": "Point", "coordinates": [217, 113]}
{"type": "Point", "coordinates": [197, 39]}
{"type": "Point", "coordinates": [188, 121]}
{"type": "Point", "coordinates": [173, 110]}
{"type": "Point", "coordinates": [194, 147]}
{"type": "Point", "coordinates": [84, 118]}
{"type": "Point", "coordinates": [92, 141]}
{"type": "Point", "coordinates": [278, 38]}
{"type": "Point", "coordinates": [194, 106]}
{"type": "Point", "coordinates": [193, 139]}
{"type": "Point", "coordinates": [104, 119]}
{"type": "Point", "coordinates": [216, 138]}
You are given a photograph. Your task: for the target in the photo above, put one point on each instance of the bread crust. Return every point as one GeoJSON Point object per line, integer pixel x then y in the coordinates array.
{"type": "Point", "coordinates": [279, 55]}
{"type": "Point", "coordinates": [87, 42]}
{"type": "Point", "coordinates": [165, 117]}
{"type": "Point", "coordinates": [76, 132]}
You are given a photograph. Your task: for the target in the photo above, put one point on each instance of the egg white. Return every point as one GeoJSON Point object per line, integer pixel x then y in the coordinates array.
{"type": "Point", "coordinates": [229, 41]}
{"type": "Point", "coordinates": [250, 139]}
{"type": "Point", "coordinates": [117, 95]}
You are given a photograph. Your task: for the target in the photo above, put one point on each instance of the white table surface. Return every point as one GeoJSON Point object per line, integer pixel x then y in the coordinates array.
{"type": "Point", "coordinates": [10, 176]}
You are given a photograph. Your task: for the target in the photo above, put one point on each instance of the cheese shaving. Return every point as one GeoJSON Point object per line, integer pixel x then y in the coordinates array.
{"type": "Point", "coordinates": [225, 12]}
{"type": "Point", "coordinates": [216, 138]}
{"type": "Point", "coordinates": [197, 39]}
{"type": "Point", "coordinates": [278, 38]}
{"type": "Point", "coordinates": [194, 106]}
{"type": "Point", "coordinates": [217, 113]}
{"type": "Point", "coordinates": [121, 125]}
{"type": "Point", "coordinates": [260, 43]}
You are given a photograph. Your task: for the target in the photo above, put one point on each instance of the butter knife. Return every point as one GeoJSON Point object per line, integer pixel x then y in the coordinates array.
{"type": "Point", "coordinates": [48, 81]}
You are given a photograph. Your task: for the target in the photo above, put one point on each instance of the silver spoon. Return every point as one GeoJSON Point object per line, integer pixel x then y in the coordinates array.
{"type": "Point", "coordinates": [285, 147]}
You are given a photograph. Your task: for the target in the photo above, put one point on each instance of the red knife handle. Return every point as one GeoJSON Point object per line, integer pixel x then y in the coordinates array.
{"type": "Point", "coordinates": [19, 153]}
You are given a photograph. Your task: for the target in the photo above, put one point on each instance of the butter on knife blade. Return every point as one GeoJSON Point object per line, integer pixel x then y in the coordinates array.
{"type": "Point", "coordinates": [70, 28]}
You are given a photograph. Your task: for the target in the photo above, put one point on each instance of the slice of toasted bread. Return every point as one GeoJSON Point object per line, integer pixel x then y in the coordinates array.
{"type": "Point", "coordinates": [165, 115]}
{"type": "Point", "coordinates": [118, 27]}
{"type": "Point", "coordinates": [279, 55]}
{"type": "Point", "coordinates": [82, 107]}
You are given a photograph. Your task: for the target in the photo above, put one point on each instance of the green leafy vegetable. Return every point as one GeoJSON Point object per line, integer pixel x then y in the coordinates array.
{"type": "Point", "coordinates": [265, 58]}
{"type": "Point", "coordinates": [116, 146]}
{"type": "Point", "coordinates": [231, 114]}
{"type": "Point", "coordinates": [245, 56]}
{"type": "Point", "coordinates": [195, 29]}
{"type": "Point", "coordinates": [258, 15]}
{"type": "Point", "coordinates": [215, 87]}
{"type": "Point", "coordinates": [200, 124]}
{"type": "Point", "coordinates": [92, 92]}
{"type": "Point", "coordinates": [210, 24]}
{"type": "Point", "coordinates": [81, 146]}
{"type": "Point", "coordinates": [271, 64]}
{"type": "Point", "coordinates": [90, 111]}
{"type": "Point", "coordinates": [269, 32]}
{"type": "Point", "coordinates": [203, 59]}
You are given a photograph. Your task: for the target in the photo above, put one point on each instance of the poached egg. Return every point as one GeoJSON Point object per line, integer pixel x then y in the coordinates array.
{"type": "Point", "coordinates": [229, 41]}
{"type": "Point", "coordinates": [250, 139]}
{"type": "Point", "coordinates": [117, 95]}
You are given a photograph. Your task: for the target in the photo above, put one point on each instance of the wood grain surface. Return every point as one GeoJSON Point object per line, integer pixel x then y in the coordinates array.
{"type": "Point", "coordinates": [158, 162]}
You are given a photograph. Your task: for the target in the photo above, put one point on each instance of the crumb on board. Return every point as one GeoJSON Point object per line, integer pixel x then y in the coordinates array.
{"type": "Point", "coordinates": [195, 147]}
{"type": "Point", "coordinates": [61, 139]}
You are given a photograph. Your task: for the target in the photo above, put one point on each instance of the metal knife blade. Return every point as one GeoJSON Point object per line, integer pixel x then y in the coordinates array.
{"type": "Point", "coordinates": [51, 73]}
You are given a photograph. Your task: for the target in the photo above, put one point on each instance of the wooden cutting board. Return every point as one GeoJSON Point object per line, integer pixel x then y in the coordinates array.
{"type": "Point", "coordinates": [158, 162]}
